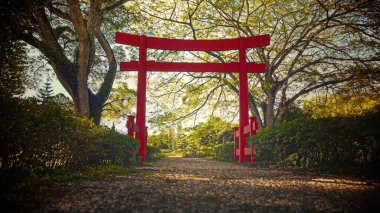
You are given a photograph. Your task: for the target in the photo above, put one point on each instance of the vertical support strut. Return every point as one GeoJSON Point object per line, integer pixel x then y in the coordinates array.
{"type": "Point", "coordinates": [243, 99]}
{"type": "Point", "coordinates": [141, 99]}
{"type": "Point", "coordinates": [236, 140]}
{"type": "Point", "coordinates": [130, 124]}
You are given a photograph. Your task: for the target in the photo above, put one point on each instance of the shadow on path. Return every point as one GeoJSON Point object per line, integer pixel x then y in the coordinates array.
{"type": "Point", "coordinates": [203, 185]}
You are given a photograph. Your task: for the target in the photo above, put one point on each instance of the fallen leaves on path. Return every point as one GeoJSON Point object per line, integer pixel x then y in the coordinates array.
{"type": "Point", "coordinates": [203, 185]}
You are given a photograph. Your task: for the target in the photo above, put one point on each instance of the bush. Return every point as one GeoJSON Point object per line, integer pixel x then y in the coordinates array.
{"type": "Point", "coordinates": [191, 151]}
{"type": "Point", "coordinates": [194, 151]}
{"type": "Point", "coordinates": [38, 138]}
{"type": "Point", "coordinates": [225, 152]}
{"type": "Point", "coordinates": [153, 152]}
{"type": "Point", "coordinates": [321, 143]}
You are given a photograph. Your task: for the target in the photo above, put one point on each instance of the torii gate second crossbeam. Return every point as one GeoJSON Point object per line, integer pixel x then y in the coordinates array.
{"type": "Point", "coordinates": [142, 66]}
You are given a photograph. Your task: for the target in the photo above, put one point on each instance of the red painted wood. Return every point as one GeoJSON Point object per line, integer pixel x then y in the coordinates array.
{"type": "Point", "coordinates": [193, 45]}
{"type": "Point", "coordinates": [254, 125]}
{"type": "Point", "coordinates": [241, 67]}
{"type": "Point", "coordinates": [141, 98]}
{"type": "Point", "coordinates": [247, 129]}
{"type": "Point", "coordinates": [236, 129]}
{"type": "Point", "coordinates": [252, 67]}
{"type": "Point", "coordinates": [247, 151]}
{"type": "Point", "coordinates": [243, 98]}
{"type": "Point", "coordinates": [130, 124]}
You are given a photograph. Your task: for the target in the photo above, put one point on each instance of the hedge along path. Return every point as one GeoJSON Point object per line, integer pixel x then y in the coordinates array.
{"type": "Point", "coordinates": [204, 185]}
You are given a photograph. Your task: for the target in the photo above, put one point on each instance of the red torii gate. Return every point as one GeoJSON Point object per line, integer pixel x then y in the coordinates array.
{"type": "Point", "coordinates": [142, 66]}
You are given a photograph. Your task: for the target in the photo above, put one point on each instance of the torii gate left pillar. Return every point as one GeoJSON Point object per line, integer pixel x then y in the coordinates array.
{"type": "Point", "coordinates": [141, 135]}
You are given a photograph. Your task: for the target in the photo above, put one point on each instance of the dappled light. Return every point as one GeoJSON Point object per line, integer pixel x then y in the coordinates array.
{"type": "Point", "coordinates": [196, 184]}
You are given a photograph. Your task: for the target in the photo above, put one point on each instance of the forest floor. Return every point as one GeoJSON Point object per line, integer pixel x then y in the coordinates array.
{"type": "Point", "coordinates": [204, 185]}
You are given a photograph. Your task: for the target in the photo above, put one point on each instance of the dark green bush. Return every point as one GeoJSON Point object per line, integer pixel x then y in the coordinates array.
{"type": "Point", "coordinates": [153, 152]}
{"type": "Point", "coordinates": [40, 137]}
{"type": "Point", "coordinates": [344, 142]}
{"type": "Point", "coordinates": [225, 152]}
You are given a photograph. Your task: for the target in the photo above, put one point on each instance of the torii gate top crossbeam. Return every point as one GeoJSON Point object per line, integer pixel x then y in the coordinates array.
{"type": "Point", "coordinates": [193, 45]}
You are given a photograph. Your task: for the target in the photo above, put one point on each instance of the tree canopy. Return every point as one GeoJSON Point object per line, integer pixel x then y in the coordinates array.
{"type": "Point", "coordinates": [315, 46]}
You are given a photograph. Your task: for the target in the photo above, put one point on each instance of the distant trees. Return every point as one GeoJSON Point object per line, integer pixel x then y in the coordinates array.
{"type": "Point", "coordinates": [198, 140]}
{"type": "Point", "coordinates": [45, 92]}
{"type": "Point", "coordinates": [208, 132]}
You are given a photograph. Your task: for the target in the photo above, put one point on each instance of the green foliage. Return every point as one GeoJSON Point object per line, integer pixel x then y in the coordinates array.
{"type": "Point", "coordinates": [12, 52]}
{"type": "Point", "coordinates": [198, 141]}
{"type": "Point", "coordinates": [294, 112]}
{"type": "Point", "coordinates": [194, 151]}
{"type": "Point", "coordinates": [120, 102]}
{"type": "Point", "coordinates": [12, 65]}
{"type": "Point", "coordinates": [343, 104]}
{"type": "Point", "coordinates": [208, 133]}
{"type": "Point", "coordinates": [341, 142]}
{"type": "Point", "coordinates": [40, 138]}
{"type": "Point", "coordinates": [306, 53]}
{"type": "Point", "coordinates": [225, 152]}
{"type": "Point", "coordinates": [164, 140]}
{"type": "Point", "coordinates": [153, 152]}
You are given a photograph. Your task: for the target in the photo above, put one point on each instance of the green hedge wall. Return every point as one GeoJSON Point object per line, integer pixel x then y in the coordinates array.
{"type": "Point", "coordinates": [332, 142]}
{"type": "Point", "coordinates": [40, 137]}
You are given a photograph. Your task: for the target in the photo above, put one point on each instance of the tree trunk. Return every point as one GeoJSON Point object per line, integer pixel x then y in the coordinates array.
{"type": "Point", "coordinates": [280, 113]}
{"type": "Point", "coordinates": [269, 111]}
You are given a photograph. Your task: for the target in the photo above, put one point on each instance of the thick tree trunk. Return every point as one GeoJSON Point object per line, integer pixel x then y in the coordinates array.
{"type": "Point", "coordinates": [82, 97]}
{"type": "Point", "coordinates": [269, 111]}
{"type": "Point", "coordinates": [280, 113]}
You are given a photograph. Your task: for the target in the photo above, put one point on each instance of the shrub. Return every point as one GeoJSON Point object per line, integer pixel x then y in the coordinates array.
{"type": "Point", "coordinates": [194, 151]}
{"type": "Point", "coordinates": [324, 143]}
{"type": "Point", "coordinates": [153, 152]}
{"type": "Point", "coordinates": [38, 138]}
{"type": "Point", "coordinates": [190, 151]}
{"type": "Point", "coordinates": [225, 152]}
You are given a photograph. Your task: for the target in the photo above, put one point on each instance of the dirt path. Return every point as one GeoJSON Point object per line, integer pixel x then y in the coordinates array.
{"type": "Point", "coordinates": [201, 185]}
